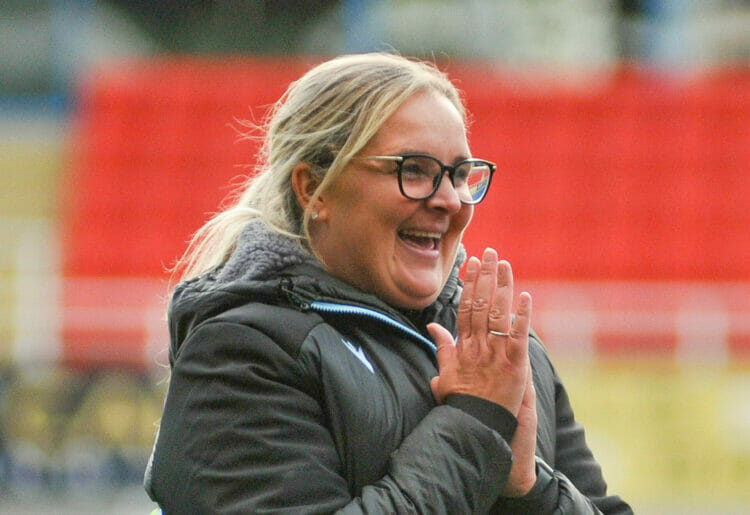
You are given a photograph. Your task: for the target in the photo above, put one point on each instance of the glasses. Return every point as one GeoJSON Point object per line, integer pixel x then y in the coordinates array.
{"type": "Point", "coordinates": [419, 176]}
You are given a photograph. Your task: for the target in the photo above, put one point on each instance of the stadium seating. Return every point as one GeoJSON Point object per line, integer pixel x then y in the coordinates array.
{"type": "Point", "coordinates": [633, 186]}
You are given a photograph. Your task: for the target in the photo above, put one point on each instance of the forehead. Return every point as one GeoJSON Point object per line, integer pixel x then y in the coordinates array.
{"type": "Point", "coordinates": [424, 122]}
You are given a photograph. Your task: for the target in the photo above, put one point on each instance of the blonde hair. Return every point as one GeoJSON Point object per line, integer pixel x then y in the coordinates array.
{"type": "Point", "coordinates": [323, 119]}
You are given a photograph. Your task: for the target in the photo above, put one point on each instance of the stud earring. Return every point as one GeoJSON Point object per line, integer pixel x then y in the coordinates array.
{"type": "Point", "coordinates": [314, 215]}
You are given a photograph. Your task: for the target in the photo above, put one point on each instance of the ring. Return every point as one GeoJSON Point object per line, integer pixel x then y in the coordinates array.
{"type": "Point", "coordinates": [499, 333]}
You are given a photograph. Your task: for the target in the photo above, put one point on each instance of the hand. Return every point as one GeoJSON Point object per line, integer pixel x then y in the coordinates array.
{"type": "Point", "coordinates": [480, 363]}
{"type": "Point", "coordinates": [523, 445]}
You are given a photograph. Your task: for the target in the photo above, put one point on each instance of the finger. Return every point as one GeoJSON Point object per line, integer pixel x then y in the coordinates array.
{"type": "Point", "coordinates": [467, 298]}
{"type": "Point", "coordinates": [484, 292]}
{"type": "Point", "coordinates": [518, 342]}
{"type": "Point", "coordinates": [499, 318]}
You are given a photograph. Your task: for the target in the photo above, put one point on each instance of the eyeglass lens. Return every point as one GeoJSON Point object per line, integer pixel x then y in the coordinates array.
{"type": "Point", "coordinates": [420, 176]}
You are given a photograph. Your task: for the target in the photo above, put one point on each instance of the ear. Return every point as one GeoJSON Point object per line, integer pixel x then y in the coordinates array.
{"type": "Point", "coordinates": [304, 184]}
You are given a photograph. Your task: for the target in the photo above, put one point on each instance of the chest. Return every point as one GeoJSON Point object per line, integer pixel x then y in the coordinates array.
{"type": "Point", "coordinates": [374, 388]}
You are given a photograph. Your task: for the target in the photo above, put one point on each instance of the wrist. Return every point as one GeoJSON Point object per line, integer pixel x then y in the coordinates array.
{"type": "Point", "coordinates": [542, 498]}
{"type": "Point", "coordinates": [491, 414]}
{"type": "Point", "coordinates": [544, 476]}
{"type": "Point", "coordinates": [520, 487]}
{"type": "Point", "coordinates": [532, 486]}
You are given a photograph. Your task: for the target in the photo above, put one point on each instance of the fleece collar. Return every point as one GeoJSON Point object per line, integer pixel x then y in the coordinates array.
{"type": "Point", "coordinates": [262, 253]}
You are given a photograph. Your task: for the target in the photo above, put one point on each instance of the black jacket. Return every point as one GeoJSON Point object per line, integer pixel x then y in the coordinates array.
{"type": "Point", "coordinates": [291, 392]}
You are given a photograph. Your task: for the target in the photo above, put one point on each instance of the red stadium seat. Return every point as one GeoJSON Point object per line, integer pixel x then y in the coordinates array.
{"type": "Point", "coordinates": [632, 178]}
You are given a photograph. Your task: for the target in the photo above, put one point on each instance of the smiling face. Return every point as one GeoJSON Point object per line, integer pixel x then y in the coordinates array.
{"type": "Point", "coordinates": [374, 238]}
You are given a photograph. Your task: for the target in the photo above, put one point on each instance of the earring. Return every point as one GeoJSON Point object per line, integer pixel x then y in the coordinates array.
{"type": "Point", "coordinates": [314, 215]}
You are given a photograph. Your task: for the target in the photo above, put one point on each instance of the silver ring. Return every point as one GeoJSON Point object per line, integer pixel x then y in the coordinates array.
{"type": "Point", "coordinates": [499, 333]}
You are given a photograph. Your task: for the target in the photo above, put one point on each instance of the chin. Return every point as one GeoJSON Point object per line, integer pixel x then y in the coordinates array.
{"type": "Point", "coordinates": [418, 301]}
{"type": "Point", "coordinates": [416, 290]}
{"type": "Point", "coordinates": [413, 305]}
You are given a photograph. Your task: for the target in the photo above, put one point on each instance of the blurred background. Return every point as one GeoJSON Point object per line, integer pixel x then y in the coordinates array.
{"type": "Point", "coordinates": [622, 134]}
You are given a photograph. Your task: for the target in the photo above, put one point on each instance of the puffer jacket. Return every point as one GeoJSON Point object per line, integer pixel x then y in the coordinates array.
{"type": "Point", "coordinates": [292, 392]}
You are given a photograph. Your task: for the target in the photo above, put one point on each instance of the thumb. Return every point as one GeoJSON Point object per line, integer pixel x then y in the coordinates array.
{"type": "Point", "coordinates": [434, 386]}
{"type": "Point", "coordinates": [529, 396]}
{"type": "Point", "coordinates": [444, 343]}
{"type": "Point", "coordinates": [446, 350]}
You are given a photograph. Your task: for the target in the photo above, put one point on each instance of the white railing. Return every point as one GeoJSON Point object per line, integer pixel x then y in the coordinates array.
{"type": "Point", "coordinates": [105, 319]}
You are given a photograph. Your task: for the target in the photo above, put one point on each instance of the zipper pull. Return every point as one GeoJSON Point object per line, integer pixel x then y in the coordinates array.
{"type": "Point", "coordinates": [292, 297]}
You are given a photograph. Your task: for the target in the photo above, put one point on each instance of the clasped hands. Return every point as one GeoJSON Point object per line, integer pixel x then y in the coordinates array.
{"type": "Point", "coordinates": [492, 366]}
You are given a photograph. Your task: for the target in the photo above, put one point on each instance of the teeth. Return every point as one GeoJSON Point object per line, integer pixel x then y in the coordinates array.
{"type": "Point", "coordinates": [422, 234]}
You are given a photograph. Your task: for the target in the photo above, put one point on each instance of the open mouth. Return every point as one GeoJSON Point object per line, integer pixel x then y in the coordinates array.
{"type": "Point", "coordinates": [422, 239]}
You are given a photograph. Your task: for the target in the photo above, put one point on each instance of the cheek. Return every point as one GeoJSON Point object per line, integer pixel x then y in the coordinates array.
{"type": "Point", "coordinates": [370, 231]}
{"type": "Point", "coordinates": [460, 223]}
{"type": "Point", "coordinates": [462, 219]}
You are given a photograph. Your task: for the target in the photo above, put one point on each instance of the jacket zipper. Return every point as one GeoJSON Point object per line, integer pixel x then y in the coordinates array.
{"type": "Point", "coordinates": [305, 303]}
{"type": "Point", "coordinates": [348, 309]}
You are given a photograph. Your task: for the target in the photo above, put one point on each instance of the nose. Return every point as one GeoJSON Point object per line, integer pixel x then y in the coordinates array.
{"type": "Point", "coordinates": [446, 196]}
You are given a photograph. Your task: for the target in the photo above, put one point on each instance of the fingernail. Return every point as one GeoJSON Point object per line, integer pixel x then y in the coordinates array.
{"type": "Point", "coordinates": [487, 256]}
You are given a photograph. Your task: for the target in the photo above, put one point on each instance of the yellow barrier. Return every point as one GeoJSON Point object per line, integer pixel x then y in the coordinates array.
{"type": "Point", "coordinates": [667, 434]}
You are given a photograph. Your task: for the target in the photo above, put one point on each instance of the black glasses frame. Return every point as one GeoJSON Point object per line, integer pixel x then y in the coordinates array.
{"type": "Point", "coordinates": [451, 169]}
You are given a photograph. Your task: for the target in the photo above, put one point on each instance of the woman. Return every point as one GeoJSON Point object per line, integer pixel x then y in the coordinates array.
{"type": "Point", "coordinates": [313, 360]}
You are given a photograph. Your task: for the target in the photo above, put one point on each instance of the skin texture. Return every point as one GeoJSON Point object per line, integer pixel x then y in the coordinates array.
{"type": "Point", "coordinates": [362, 220]}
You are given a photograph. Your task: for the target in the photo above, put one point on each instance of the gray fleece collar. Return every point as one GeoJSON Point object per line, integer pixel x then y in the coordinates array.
{"type": "Point", "coordinates": [262, 253]}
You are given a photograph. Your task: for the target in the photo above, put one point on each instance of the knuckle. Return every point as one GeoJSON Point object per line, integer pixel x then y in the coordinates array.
{"type": "Point", "coordinates": [465, 305]}
{"type": "Point", "coordinates": [479, 303]}
{"type": "Point", "coordinates": [496, 315]}
{"type": "Point", "coordinates": [487, 269]}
